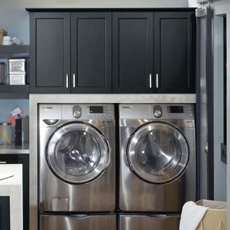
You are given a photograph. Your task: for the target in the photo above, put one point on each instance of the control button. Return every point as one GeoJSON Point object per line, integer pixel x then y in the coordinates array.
{"type": "Point", "coordinates": [77, 111]}
{"type": "Point", "coordinates": [157, 113]}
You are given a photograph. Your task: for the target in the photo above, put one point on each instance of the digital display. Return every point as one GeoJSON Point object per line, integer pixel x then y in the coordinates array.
{"type": "Point", "coordinates": [96, 109]}
{"type": "Point", "coordinates": [176, 109]}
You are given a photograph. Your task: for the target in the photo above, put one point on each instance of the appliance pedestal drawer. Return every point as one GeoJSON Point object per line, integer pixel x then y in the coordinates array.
{"type": "Point", "coordinates": [78, 222]}
{"type": "Point", "coordinates": [149, 222]}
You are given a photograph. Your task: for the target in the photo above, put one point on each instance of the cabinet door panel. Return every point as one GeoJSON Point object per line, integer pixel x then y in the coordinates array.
{"type": "Point", "coordinates": [91, 52]}
{"type": "Point", "coordinates": [4, 212]}
{"type": "Point", "coordinates": [132, 52]}
{"type": "Point", "coordinates": [173, 54]}
{"type": "Point", "coordinates": [50, 52]}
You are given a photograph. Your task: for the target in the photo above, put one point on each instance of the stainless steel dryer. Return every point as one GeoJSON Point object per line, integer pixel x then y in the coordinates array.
{"type": "Point", "coordinates": [158, 157]}
{"type": "Point", "coordinates": [76, 158]}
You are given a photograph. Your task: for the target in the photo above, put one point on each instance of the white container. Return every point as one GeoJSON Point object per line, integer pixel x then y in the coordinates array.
{"type": "Point", "coordinates": [17, 79]}
{"type": "Point", "coordinates": [17, 66]}
{"type": "Point", "coordinates": [7, 41]}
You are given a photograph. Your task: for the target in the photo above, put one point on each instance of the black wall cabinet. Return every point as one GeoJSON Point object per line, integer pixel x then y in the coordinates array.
{"type": "Point", "coordinates": [133, 51]}
{"type": "Point", "coordinates": [85, 37]}
{"type": "Point", "coordinates": [50, 52]}
{"type": "Point", "coordinates": [24, 160]}
{"type": "Point", "coordinates": [91, 52]}
{"type": "Point", "coordinates": [174, 52]}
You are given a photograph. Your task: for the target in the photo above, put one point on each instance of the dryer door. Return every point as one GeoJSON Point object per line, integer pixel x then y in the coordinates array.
{"type": "Point", "coordinates": [158, 152]}
{"type": "Point", "coordinates": [78, 153]}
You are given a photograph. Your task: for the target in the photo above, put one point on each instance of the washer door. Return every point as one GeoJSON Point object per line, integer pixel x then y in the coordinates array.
{"type": "Point", "coordinates": [78, 153]}
{"type": "Point", "coordinates": [158, 152]}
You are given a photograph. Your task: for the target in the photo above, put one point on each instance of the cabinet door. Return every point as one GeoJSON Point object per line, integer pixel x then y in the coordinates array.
{"type": "Point", "coordinates": [91, 52]}
{"type": "Point", "coordinates": [24, 160]}
{"type": "Point", "coordinates": [50, 52]}
{"type": "Point", "coordinates": [4, 212]}
{"type": "Point", "coordinates": [174, 70]}
{"type": "Point", "coordinates": [132, 52]}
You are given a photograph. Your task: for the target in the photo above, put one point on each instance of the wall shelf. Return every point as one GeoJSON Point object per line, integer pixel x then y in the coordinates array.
{"type": "Point", "coordinates": [13, 149]}
{"type": "Point", "coordinates": [14, 51]}
{"type": "Point", "coordinates": [14, 89]}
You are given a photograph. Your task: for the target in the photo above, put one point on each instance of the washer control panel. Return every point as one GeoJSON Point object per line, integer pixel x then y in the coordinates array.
{"type": "Point", "coordinates": [100, 111]}
{"type": "Point", "coordinates": [88, 111]}
{"type": "Point", "coordinates": [76, 111]}
{"type": "Point", "coordinates": [157, 111]}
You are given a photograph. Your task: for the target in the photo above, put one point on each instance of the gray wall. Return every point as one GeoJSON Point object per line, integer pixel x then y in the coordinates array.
{"type": "Point", "coordinates": [7, 105]}
{"type": "Point", "coordinates": [15, 20]}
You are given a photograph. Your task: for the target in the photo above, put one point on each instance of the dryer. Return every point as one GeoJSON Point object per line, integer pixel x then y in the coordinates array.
{"type": "Point", "coordinates": [76, 159]}
{"type": "Point", "coordinates": [157, 158]}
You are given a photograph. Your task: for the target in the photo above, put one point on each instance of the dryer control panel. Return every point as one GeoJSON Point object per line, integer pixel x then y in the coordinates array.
{"type": "Point", "coordinates": [157, 111]}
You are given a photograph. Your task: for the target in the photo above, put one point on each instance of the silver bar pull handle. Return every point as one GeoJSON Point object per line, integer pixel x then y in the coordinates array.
{"type": "Point", "coordinates": [157, 80]}
{"type": "Point", "coordinates": [74, 80]}
{"type": "Point", "coordinates": [150, 81]}
{"type": "Point", "coordinates": [3, 162]}
{"type": "Point", "coordinates": [67, 81]}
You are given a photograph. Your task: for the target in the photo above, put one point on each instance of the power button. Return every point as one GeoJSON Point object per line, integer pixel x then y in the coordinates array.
{"type": "Point", "coordinates": [157, 111]}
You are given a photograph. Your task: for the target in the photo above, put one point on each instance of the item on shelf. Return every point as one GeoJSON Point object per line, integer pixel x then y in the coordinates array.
{"type": "Point", "coordinates": [1, 35]}
{"type": "Point", "coordinates": [7, 41]}
{"type": "Point", "coordinates": [2, 73]}
{"type": "Point", "coordinates": [17, 65]}
{"type": "Point", "coordinates": [17, 72]}
{"type": "Point", "coordinates": [16, 41]}
{"type": "Point", "coordinates": [18, 132]}
{"type": "Point", "coordinates": [16, 114]}
{"type": "Point", "coordinates": [17, 79]}
{"type": "Point", "coordinates": [6, 133]}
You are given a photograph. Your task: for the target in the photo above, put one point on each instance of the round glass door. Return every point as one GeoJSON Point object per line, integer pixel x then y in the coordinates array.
{"type": "Point", "coordinates": [78, 153]}
{"type": "Point", "coordinates": [158, 152]}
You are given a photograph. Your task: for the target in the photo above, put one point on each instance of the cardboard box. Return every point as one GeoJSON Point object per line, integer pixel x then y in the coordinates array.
{"type": "Point", "coordinates": [216, 216]}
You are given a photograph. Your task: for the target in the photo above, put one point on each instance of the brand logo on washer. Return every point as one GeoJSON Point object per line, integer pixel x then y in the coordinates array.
{"type": "Point", "coordinates": [47, 107]}
{"type": "Point", "coordinates": [127, 107]}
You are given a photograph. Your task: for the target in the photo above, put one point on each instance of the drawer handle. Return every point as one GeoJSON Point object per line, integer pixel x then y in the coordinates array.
{"type": "Point", "coordinates": [67, 80]}
{"type": "Point", "coordinates": [157, 80]}
{"type": "Point", "coordinates": [74, 80]}
{"type": "Point", "coordinates": [3, 162]}
{"type": "Point", "coordinates": [150, 80]}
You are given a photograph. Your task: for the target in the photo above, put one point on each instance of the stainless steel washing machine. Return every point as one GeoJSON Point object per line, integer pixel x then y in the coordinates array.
{"type": "Point", "coordinates": [76, 158]}
{"type": "Point", "coordinates": [158, 157]}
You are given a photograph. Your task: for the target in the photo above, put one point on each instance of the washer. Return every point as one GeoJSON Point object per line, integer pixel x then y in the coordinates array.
{"type": "Point", "coordinates": [76, 158]}
{"type": "Point", "coordinates": [158, 157]}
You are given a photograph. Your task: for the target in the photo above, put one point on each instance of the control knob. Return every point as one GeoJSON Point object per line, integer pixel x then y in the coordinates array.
{"type": "Point", "coordinates": [77, 111]}
{"type": "Point", "coordinates": [157, 113]}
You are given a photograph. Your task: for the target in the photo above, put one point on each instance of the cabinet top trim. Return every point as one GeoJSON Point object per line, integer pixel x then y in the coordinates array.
{"type": "Point", "coordinates": [182, 9]}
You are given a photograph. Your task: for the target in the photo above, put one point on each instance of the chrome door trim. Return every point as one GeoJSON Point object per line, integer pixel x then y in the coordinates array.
{"type": "Point", "coordinates": [102, 164]}
{"type": "Point", "coordinates": [165, 177]}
